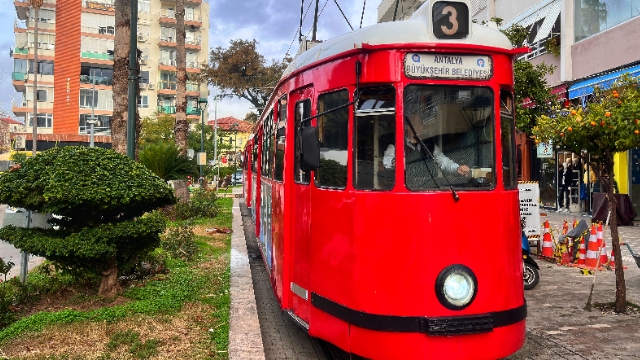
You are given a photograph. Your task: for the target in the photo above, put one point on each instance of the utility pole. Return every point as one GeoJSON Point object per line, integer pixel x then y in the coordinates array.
{"type": "Point", "coordinates": [133, 81]}
{"type": "Point", "coordinates": [315, 22]}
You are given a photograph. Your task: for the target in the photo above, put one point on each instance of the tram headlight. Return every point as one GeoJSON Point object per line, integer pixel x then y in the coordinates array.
{"type": "Point", "coordinates": [456, 287]}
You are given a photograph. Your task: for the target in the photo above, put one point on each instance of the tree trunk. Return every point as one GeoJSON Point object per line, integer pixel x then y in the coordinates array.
{"type": "Point", "coordinates": [120, 76]}
{"type": "Point", "coordinates": [109, 287]}
{"type": "Point", "coordinates": [181, 190]}
{"type": "Point", "coordinates": [182, 126]}
{"type": "Point", "coordinates": [621, 288]}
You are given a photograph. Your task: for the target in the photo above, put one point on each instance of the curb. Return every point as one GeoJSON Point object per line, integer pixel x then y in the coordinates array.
{"type": "Point", "coordinates": [245, 337]}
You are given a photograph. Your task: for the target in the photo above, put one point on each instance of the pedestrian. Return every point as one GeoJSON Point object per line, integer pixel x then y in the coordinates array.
{"type": "Point", "coordinates": [566, 180]}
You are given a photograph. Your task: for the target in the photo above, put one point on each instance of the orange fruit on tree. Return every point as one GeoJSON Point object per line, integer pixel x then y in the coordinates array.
{"type": "Point", "coordinates": [637, 121]}
{"type": "Point", "coordinates": [561, 134]}
{"type": "Point", "coordinates": [616, 95]}
{"type": "Point", "coordinates": [619, 102]}
{"type": "Point", "coordinates": [593, 123]}
{"type": "Point", "coordinates": [607, 114]}
{"type": "Point", "coordinates": [573, 112]}
{"type": "Point", "coordinates": [569, 129]}
{"type": "Point", "coordinates": [636, 132]}
{"type": "Point", "coordinates": [602, 122]}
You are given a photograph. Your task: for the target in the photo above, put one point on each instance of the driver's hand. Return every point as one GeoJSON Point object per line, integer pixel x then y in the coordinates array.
{"type": "Point", "coordinates": [464, 170]}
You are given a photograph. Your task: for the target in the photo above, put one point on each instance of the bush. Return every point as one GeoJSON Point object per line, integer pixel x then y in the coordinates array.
{"type": "Point", "coordinates": [180, 242]}
{"type": "Point", "coordinates": [202, 205]}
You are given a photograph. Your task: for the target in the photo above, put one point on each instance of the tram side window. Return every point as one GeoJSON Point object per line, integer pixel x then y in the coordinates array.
{"type": "Point", "coordinates": [333, 131]}
{"type": "Point", "coordinates": [302, 111]}
{"type": "Point", "coordinates": [254, 157]}
{"type": "Point", "coordinates": [507, 130]}
{"type": "Point", "coordinates": [374, 139]}
{"type": "Point", "coordinates": [280, 139]}
{"type": "Point", "coordinates": [267, 147]}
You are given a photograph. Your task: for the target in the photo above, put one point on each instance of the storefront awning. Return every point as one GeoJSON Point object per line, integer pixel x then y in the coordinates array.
{"type": "Point", "coordinates": [549, 10]}
{"type": "Point", "coordinates": [585, 87]}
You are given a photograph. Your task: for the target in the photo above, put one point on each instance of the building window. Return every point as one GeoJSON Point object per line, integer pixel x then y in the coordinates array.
{"type": "Point", "coordinates": [88, 99]}
{"type": "Point", "coordinates": [143, 102]}
{"type": "Point", "coordinates": [144, 77]}
{"type": "Point", "coordinates": [102, 125]}
{"type": "Point", "coordinates": [44, 67]}
{"type": "Point", "coordinates": [41, 95]}
{"type": "Point", "coordinates": [44, 120]}
{"type": "Point", "coordinates": [144, 6]}
{"type": "Point", "coordinates": [593, 17]}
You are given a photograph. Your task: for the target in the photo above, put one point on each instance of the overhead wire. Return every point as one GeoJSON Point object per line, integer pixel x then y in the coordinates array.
{"type": "Point", "coordinates": [362, 15]}
{"type": "Point", "coordinates": [343, 15]}
{"type": "Point", "coordinates": [408, 9]}
{"type": "Point", "coordinates": [299, 31]}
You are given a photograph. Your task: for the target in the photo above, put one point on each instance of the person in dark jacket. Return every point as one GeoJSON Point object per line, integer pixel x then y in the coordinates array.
{"type": "Point", "coordinates": [567, 179]}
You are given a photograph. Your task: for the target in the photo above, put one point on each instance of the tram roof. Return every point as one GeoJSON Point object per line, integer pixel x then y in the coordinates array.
{"type": "Point", "coordinates": [416, 29]}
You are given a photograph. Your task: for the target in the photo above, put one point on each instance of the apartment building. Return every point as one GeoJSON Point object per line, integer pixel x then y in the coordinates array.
{"type": "Point", "coordinates": [75, 65]}
{"type": "Point", "coordinates": [597, 46]}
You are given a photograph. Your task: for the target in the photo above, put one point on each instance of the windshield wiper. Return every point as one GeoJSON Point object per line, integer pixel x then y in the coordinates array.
{"type": "Point", "coordinates": [423, 149]}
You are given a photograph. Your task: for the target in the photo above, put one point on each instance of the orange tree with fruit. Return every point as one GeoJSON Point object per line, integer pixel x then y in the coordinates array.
{"type": "Point", "coordinates": [609, 124]}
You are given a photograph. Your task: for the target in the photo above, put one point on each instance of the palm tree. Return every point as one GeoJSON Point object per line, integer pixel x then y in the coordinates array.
{"type": "Point", "coordinates": [35, 4]}
{"type": "Point", "coordinates": [181, 128]}
{"type": "Point", "coordinates": [120, 76]}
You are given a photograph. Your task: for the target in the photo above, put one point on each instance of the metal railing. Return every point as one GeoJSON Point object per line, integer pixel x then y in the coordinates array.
{"type": "Point", "coordinates": [97, 130]}
{"type": "Point", "coordinates": [95, 55]}
{"type": "Point", "coordinates": [99, 80]}
{"type": "Point", "coordinates": [166, 109]}
{"type": "Point", "coordinates": [103, 30]}
{"type": "Point", "coordinates": [171, 14]}
{"type": "Point", "coordinates": [167, 62]}
{"type": "Point", "coordinates": [166, 85]}
{"type": "Point", "coordinates": [193, 87]}
{"type": "Point", "coordinates": [193, 42]}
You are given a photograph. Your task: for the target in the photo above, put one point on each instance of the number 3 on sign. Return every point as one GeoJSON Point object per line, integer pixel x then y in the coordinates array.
{"type": "Point", "coordinates": [453, 19]}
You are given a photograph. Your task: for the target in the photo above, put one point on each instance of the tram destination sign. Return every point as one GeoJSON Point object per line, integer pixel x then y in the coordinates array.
{"type": "Point", "coordinates": [448, 66]}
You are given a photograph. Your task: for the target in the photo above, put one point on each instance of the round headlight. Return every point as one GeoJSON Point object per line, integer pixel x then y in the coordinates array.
{"type": "Point", "coordinates": [456, 287]}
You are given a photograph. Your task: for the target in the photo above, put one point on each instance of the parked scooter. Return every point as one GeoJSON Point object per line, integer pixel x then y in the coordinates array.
{"type": "Point", "coordinates": [530, 275]}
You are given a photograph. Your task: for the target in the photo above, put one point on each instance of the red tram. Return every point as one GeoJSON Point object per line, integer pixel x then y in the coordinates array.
{"type": "Point", "coordinates": [382, 181]}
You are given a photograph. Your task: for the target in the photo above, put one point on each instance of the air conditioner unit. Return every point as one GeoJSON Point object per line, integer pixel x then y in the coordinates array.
{"type": "Point", "coordinates": [143, 61]}
{"type": "Point", "coordinates": [151, 86]}
{"type": "Point", "coordinates": [141, 38]}
{"type": "Point", "coordinates": [142, 85]}
{"type": "Point", "coordinates": [19, 142]}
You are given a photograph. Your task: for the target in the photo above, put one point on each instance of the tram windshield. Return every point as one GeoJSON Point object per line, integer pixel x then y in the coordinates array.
{"type": "Point", "coordinates": [449, 137]}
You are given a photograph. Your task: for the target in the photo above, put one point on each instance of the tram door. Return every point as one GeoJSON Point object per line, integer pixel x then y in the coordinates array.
{"type": "Point", "coordinates": [300, 215]}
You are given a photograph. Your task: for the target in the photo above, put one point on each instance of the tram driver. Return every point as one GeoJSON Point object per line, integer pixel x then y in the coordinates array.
{"type": "Point", "coordinates": [412, 146]}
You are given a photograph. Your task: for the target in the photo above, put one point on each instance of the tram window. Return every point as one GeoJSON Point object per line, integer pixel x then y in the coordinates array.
{"type": "Point", "coordinates": [333, 131]}
{"type": "Point", "coordinates": [507, 130]}
{"type": "Point", "coordinates": [455, 124]}
{"type": "Point", "coordinates": [302, 111]}
{"type": "Point", "coordinates": [267, 146]}
{"type": "Point", "coordinates": [254, 157]}
{"type": "Point", "coordinates": [374, 131]}
{"type": "Point", "coordinates": [280, 139]}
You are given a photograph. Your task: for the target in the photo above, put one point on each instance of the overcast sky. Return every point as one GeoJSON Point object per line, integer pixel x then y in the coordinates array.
{"type": "Point", "coordinates": [274, 23]}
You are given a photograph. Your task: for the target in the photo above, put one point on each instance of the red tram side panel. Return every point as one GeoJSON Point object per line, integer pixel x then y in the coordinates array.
{"type": "Point", "coordinates": [403, 241]}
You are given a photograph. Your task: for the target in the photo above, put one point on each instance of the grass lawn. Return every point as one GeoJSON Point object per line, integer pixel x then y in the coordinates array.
{"type": "Point", "coordinates": [183, 314]}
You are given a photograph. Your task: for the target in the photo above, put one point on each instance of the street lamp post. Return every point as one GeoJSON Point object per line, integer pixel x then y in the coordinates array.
{"type": "Point", "coordinates": [202, 104]}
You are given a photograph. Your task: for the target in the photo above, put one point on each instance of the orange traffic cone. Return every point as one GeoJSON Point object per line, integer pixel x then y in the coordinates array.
{"type": "Point", "coordinates": [575, 222]}
{"type": "Point", "coordinates": [592, 249]}
{"type": "Point", "coordinates": [565, 227]}
{"type": "Point", "coordinates": [547, 245]}
{"type": "Point", "coordinates": [604, 259]}
{"type": "Point", "coordinates": [582, 253]}
{"type": "Point", "coordinates": [612, 261]}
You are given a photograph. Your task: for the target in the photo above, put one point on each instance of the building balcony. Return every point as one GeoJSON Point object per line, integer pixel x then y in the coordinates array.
{"type": "Point", "coordinates": [22, 7]}
{"type": "Point", "coordinates": [18, 76]}
{"type": "Point", "coordinates": [171, 110]}
{"type": "Point", "coordinates": [21, 51]}
{"type": "Point", "coordinates": [102, 30]}
{"type": "Point", "coordinates": [96, 56]}
{"type": "Point", "coordinates": [166, 85]}
{"type": "Point", "coordinates": [104, 5]}
{"type": "Point", "coordinates": [169, 17]}
{"type": "Point", "coordinates": [98, 80]}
